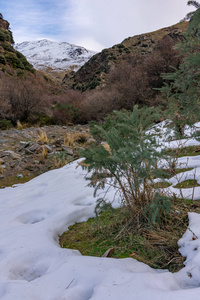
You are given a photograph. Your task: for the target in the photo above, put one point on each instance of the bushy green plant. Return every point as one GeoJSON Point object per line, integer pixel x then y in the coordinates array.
{"type": "Point", "coordinates": [2, 59]}
{"type": "Point", "coordinates": [12, 58]}
{"type": "Point", "coordinates": [183, 88]}
{"type": "Point", "coordinates": [5, 124]}
{"type": "Point", "coordinates": [6, 35]}
{"type": "Point", "coordinates": [128, 158]}
{"type": "Point", "coordinates": [157, 209]}
{"type": "Point", "coordinates": [8, 47]}
{"type": "Point", "coordinates": [64, 113]}
{"type": "Point", "coordinates": [2, 35]}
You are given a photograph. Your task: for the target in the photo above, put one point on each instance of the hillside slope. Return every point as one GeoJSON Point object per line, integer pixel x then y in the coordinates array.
{"type": "Point", "coordinates": [94, 72]}
{"type": "Point", "coordinates": [10, 59]}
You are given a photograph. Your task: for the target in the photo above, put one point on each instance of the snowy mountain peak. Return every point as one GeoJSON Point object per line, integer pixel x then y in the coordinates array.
{"type": "Point", "coordinates": [44, 54]}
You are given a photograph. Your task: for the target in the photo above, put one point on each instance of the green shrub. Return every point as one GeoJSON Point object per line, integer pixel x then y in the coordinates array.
{"type": "Point", "coordinates": [8, 47]}
{"type": "Point", "coordinates": [11, 58]}
{"type": "Point", "coordinates": [182, 87]}
{"type": "Point", "coordinates": [127, 160]}
{"type": "Point", "coordinates": [5, 124]}
{"type": "Point", "coordinates": [2, 35]}
{"type": "Point", "coordinates": [158, 209]}
{"type": "Point", "coordinates": [20, 55]}
{"type": "Point", "coordinates": [2, 59]}
{"type": "Point", "coordinates": [64, 113]}
{"type": "Point", "coordinates": [127, 50]}
{"type": "Point", "coordinates": [6, 35]}
{"type": "Point", "coordinates": [44, 120]}
{"type": "Point", "coordinates": [20, 72]}
{"type": "Point", "coordinates": [120, 46]}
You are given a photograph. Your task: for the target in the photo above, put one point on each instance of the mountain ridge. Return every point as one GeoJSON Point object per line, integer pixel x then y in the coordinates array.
{"type": "Point", "coordinates": [94, 72]}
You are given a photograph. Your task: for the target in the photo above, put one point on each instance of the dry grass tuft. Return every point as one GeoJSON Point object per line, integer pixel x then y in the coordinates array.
{"type": "Point", "coordinates": [73, 138]}
{"type": "Point", "coordinates": [42, 137]}
{"type": "Point", "coordinates": [19, 125]}
{"type": "Point", "coordinates": [1, 169]}
{"type": "Point", "coordinates": [69, 140]}
{"type": "Point", "coordinates": [107, 147]}
{"type": "Point", "coordinates": [44, 152]}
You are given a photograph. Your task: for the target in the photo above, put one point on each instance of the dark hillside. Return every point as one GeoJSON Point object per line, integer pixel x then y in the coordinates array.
{"type": "Point", "coordinates": [94, 72]}
{"type": "Point", "coordinates": [10, 59]}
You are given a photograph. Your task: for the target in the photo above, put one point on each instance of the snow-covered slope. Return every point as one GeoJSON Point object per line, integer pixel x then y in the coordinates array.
{"type": "Point", "coordinates": [43, 54]}
{"type": "Point", "coordinates": [34, 267]}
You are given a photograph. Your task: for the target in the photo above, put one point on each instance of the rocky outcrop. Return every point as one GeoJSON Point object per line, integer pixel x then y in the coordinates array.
{"type": "Point", "coordinates": [4, 24]}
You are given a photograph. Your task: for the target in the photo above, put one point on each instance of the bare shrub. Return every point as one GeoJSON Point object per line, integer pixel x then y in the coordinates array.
{"type": "Point", "coordinates": [66, 107]}
{"type": "Point", "coordinates": [97, 104]}
{"type": "Point", "coordinates": [22, 98]}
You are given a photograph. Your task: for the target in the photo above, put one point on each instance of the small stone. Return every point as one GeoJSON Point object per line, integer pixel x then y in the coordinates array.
{"type": "Point", "coordinates": [24, 144]}
{"type": "Point", "coordinates": [109, 252]}
{"type": "Point", "coordinates": [20, 176]}
{"type": "Point", "coordinates": [34, 148]}
{"type": "Point", "coordinates": [90, 141]}
{"type": "Point", "coordinates": [68, 149]}
{"type": "Point", "coordinates": [13, 164]}
{"type": "Point", "coordinates": [48, 148]}
{"type": "Point", "coordinates": [12, 154]}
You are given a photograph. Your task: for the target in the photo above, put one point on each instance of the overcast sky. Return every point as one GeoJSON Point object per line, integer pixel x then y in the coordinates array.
{"type": "Point", "coordinates": [94, 24]}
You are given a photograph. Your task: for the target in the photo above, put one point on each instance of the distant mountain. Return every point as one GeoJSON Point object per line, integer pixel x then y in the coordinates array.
{"type": "Point", "coordinates": [44, 54]}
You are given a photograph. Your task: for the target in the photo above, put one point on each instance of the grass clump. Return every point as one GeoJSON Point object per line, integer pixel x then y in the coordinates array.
{"type": "Point", "coordinates": [190, 183]}
{"type": "Point", "coordinates": [161, 185]}
{"type": "Point", "coordinates": [184, 151]}
{"type": "Point", "coordinates": [154, 245]}
{"type": "Point", "coordinates": [42, 137]}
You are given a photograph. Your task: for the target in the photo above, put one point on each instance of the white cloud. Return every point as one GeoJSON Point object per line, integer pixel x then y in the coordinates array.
{"type": "Point", "coordinates": [111, 21]}
{"type": "Point", "coordinates": [94, 24]}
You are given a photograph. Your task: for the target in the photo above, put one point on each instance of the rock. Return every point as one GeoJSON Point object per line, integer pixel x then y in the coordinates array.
{"type": "Point", "coordinates": [109, 252]}
{"type": "Point", "coordinates": [26, 135]}
{"type": "Point", "coordinates": [35, 148]}
{"type": "Point", "coordinates": [48, 148]}
{"type": "Point", "coordinates": [24, 144]}
{"type": "Point", "coordinates": [12, 164]}
{"type": "Point", "coordinates": [20, 176]}
{"type": "Point", "coordinates": [3, 141]}
{"type": "Point", "coordinates": [90, 141]}
{"type": "Point", "coordinates": [68, 149]}
{"type": "Point", "coordinates": [10, 153]}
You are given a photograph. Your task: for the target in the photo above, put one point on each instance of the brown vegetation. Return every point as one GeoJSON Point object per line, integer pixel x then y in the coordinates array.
{"type": "Point", "coordinates": [130, 73]}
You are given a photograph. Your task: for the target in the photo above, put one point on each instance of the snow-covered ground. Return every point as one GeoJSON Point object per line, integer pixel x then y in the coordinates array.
{"type": "Point", "coordinates": [34, 267]}
{"type": "Point", "coordinates": [43, 54]}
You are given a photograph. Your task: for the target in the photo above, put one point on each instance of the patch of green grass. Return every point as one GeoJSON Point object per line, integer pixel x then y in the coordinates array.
{"type": "Point", "coordinates": [161, 185]}
{"type": "Point", "coordinates": [184, 151]}
{"type": "Point", "coordinates": [11, 180]}
{"type": "Point", "coordinates": [177, 171]}
{"type": "Point", "coordinates": [155, 246]}
{"type": "Point", "coordinates": [187, 184]}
